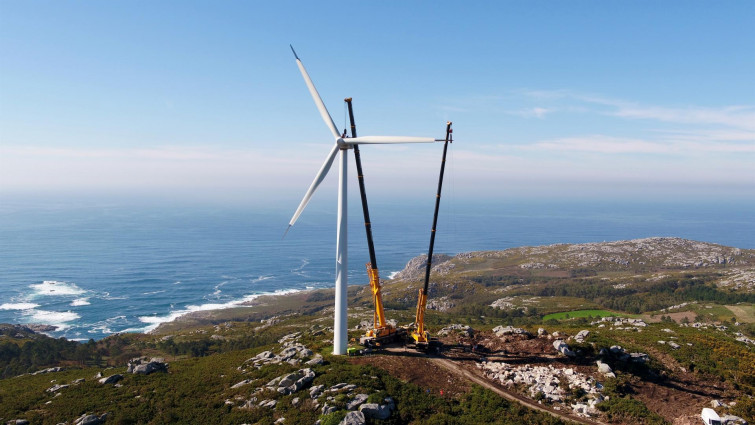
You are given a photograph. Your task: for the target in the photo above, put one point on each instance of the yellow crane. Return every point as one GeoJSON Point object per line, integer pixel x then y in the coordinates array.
{"type": "Point", "coordinates": [382, 332]}
{"type": "Point", "coordinates": [420, 336]}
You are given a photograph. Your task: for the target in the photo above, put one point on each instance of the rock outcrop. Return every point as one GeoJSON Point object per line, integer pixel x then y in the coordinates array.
{"type": "Point", "coordinates": [353, 418]}
{"type": "Point", "coordinates": [143, 366]}
{"type": "Point", "coordinates": [91, 419]}
{"type": "Point", "coordinates": [456, 328]}
{"type": "Point", "coordinates": [112, 379]}
{"type": "Point", "coordinates": [292, 382]}
{"type": "Point", "coordinates": [563, 348]}
{"type": "Point", "coordinates": [510, 330]}
{"type": "Point", "coordinates": [415, 268]}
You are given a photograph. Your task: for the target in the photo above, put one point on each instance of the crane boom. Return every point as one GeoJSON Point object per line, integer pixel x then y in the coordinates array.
{"type": "Point", "coordinates": [419, 334]}
{"type": "Point", "coordinates": [381, 330]}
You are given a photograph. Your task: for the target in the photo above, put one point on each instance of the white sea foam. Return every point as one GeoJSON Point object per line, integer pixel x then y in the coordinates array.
{"type": "Point", "coordinates": [79, 302]}
{"type": "Point", "coordinates": [107, 296]}
{"type": "Point", "coordinates": [18, 306]}
{"type": "Point", "coordinates": [300, 270]}
{"type": "Point", "coordinates": [261, 278]}
{"type": "Point", "coordinates": [155, 321]}
{"type": "Point", "coordinates": [53, 287]}
{"type": "Point", "coordinates": [105, 326]}
{"type": "Point", "coordinates": [391, 275]}
{"type": "Point", "coordinates": [59, 319]}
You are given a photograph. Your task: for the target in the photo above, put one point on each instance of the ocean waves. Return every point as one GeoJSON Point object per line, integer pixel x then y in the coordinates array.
{"type": "Point", "coordinates": [18, 306]}
{"type": "Point", "coordinates": [60, 319]}
{"type": "Point", "coordinates": [55, 288]}
{"type": "Point", "coordinates": [155, 320]}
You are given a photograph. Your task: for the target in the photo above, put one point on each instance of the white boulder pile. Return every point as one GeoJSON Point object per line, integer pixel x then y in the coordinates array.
{"type": "Point", "coordinates": [143, 366]}
{"type": "Point", "coordinates": [510, 330]}
{"type": "Point", "coordinates": [621, 323]}
{"type": "Point", "coordinates": [457, 328]}
{"type": "Point", "coordinates": [547, 383]}
{"type": "Point", "coordinates": [741, 338]}
{"type": "Point", "coordinates": [504, 303]}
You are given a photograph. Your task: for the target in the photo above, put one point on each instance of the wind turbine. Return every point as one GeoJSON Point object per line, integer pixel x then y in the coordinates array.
{"type": "Point", "coordinates": [341, 147]}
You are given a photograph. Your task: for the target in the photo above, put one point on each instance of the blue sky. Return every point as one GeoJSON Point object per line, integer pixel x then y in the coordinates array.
{"type": "Point", "coordinates": [548, 99]}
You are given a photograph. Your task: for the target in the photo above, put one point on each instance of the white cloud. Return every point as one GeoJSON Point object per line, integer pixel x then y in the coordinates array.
{"type": "Point", "coordinates": [742, 117]}
{"type": "Point", "coordinates": [615, 145]}
{"type": "Point", "coordinates": [736, 116]}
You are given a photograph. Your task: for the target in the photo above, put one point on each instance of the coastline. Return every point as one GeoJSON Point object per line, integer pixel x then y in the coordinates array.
{"type": "Point", "coordinates": [261, 307]}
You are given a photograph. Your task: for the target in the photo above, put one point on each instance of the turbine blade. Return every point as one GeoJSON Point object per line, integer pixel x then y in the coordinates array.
{"type": "Point", "coordinates": [318, 179]}
{"type": "Point", "coordinates": [316, 97]}
{"type": "Point", "coordinates": [367, 140]}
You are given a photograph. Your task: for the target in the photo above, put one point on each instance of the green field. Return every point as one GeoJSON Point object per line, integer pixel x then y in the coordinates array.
{"type": "Point", "coordinates": [744, 313]}
{"type": "Point", "coordinates": [582, 313]}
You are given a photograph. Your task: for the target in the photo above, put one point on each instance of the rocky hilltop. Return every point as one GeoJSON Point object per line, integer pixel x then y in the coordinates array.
{"type": "Point", "coordinates": [637, 255]}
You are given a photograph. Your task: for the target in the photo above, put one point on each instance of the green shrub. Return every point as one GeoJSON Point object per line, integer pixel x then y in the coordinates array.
{"type": "Point", "coordinates": [333, 418]}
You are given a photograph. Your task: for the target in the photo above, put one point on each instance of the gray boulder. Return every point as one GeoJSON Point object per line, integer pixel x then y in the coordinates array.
{"type": "Point", "coordinates": [605, 370]}
{"type": "Point", "coordinates": [581, 336]}
{"type": "Point", "coordinates": [242, 383]}
{"type": "Point", "coordinates": [358, 399]}
{"type": "Point", "coordinates": [268, 403]}
{"type": "Point", "coordinates": [91, 419]}
{"type": "Point", "coordinates": [353, 418]}
{"type": "Point", "coordinates": [639, 357]}
{"type": "Point", "coordinates": [732, 420]}
{"type": "Point", "coordinates": [143, 366]}
{"type": "Point", "coordinates": [56, 388]}
{"type": "Point", "coordinates": [315, 391]}
{"type": "Point", "coordinates": [510, 330]}
{"type": "Point", "coordinates": [316, 360]}
{"type": "Point", "coordinates": [328, 409]}
{"type": "Point", "coordinates": [292, 382]}
{"type": "Point", "coordinates": [375, 411]}
{"type": "Point", "coordinates": [112, 379]}
{"type": "Point", "coordinates": [563, 348]}
{"type": "Point", "coordinates": [48, 370]}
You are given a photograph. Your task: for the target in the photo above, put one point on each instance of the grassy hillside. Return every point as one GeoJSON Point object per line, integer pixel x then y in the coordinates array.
{"type": "Point", "coordinates": [695, 295]}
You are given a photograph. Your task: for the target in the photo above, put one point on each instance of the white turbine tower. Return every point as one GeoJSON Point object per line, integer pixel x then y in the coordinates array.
{"type": "Point", "coordinates": [340, 337]}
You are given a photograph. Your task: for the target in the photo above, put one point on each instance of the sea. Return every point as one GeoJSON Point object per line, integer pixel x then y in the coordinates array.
{"type": "Point", "coordinates": [94, 268]}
